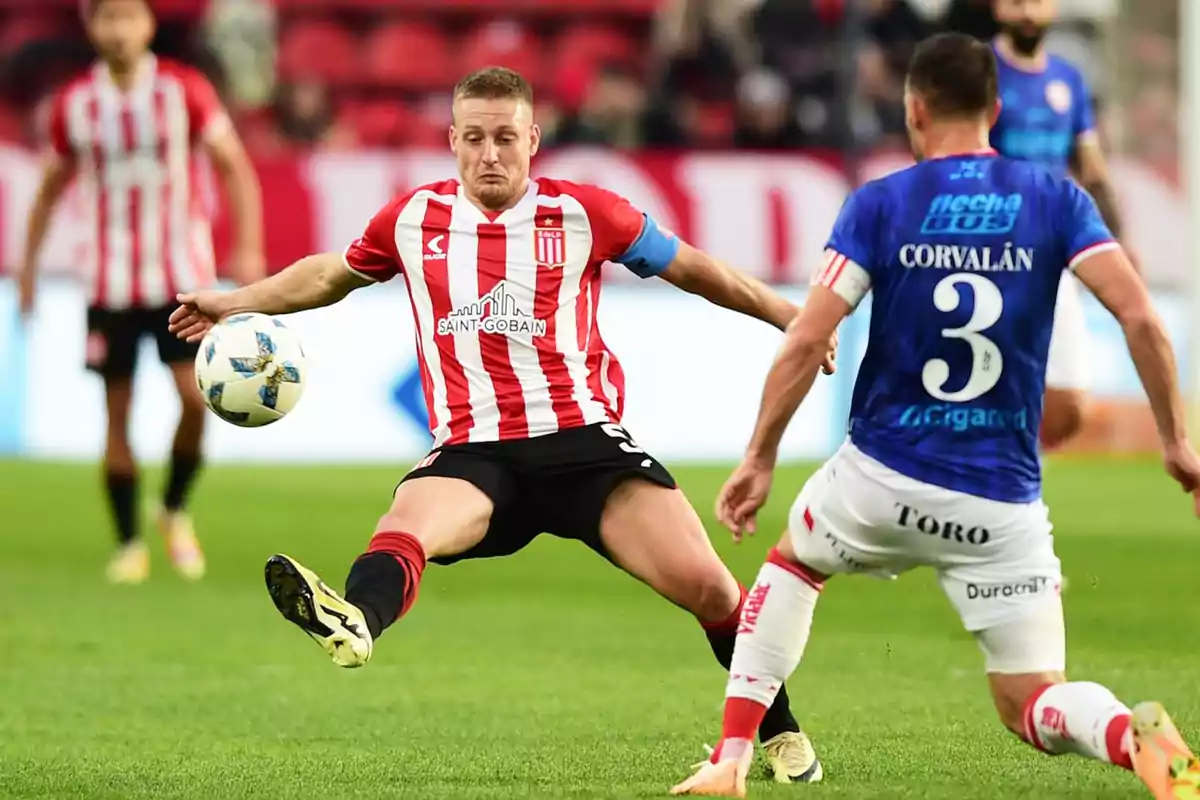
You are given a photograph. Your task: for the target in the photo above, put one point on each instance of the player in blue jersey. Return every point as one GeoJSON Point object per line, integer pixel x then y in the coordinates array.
{"type": "Point", "coordinates": [963, 253]}
{"type": "Point", "coordinates": [1046, 116]}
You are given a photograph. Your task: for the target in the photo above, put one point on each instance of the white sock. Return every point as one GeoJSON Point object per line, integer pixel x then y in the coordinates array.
{"type": "Point", "coordinates": [773, 630]}
{"type": "Point", "coordinates": [1081, 718]}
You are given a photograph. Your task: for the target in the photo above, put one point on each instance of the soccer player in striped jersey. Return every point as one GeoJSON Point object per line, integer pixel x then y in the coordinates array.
{"type": "Point", "coordinates": [131, 130]}
{"type": "Point", "coordinates": [525, 398]}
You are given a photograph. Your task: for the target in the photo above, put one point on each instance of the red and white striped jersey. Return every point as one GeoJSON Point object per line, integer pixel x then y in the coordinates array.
{"type": "Point", "coordinates": [136, 152]}
{"type": "Point", "coordinates": [506, 305]}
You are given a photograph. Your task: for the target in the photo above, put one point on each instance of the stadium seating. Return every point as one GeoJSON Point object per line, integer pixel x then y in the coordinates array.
{"type": "Point", "coordinates": [386, 57]}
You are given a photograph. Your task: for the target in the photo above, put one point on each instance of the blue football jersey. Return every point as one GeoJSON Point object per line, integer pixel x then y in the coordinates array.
{"type": "Point", "coordinates": [1042, 114]}
{"type": "Point", "coordinates": [963, 256]}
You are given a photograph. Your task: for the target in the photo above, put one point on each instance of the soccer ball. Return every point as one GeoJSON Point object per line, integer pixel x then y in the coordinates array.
{"type": "Point", "coordinates": [251, 370]}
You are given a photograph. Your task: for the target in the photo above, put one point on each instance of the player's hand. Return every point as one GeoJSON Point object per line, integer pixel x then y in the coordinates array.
{"type": "Point", "coordinates": [26, 291]}
{"type": "Point", "coordinates": [198, 312]}
{"type": "Point", "coordinates": [247, 267]}
{"type": "Point", "coordinates": [829, 365]}
{"type": "Point", "coordinates": [1183, 465]}
{"type": "Point", "coordinates": [743, 495]}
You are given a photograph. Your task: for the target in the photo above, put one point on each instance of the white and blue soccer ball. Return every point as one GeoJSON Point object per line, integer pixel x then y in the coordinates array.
{"type": "Point", "coordinates": [251, 370]}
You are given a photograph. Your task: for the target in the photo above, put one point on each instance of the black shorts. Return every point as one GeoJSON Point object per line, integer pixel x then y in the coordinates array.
{"type": "Point", "coordinates": [114, 338]}
{"type": "Point", "coordinates": [556, 484]}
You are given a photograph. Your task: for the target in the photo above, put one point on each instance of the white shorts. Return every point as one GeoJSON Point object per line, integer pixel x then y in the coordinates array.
{"type": "Point", "coordinates": [1066, 367]}
{"type": "Point", "coordinates": [995, 561]}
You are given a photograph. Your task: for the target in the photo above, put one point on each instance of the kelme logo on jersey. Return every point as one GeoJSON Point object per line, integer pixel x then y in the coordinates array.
{"type": "Point", "coordinates": [1008, 258]}
{"type": "Point", "coordinates": [972, 214]}
{"type": "Point", "coordinates": [960, 418]}
{"type": "Point", "coordinates": [495, 312]}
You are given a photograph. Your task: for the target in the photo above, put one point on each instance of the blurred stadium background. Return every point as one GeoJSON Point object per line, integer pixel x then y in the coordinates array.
{"type": "Point", "coordinates": [741, 124]}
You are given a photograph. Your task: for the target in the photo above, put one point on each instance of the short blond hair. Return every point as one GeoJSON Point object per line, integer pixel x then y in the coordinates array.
{"type": "Point", "coordinates": [494, 83]}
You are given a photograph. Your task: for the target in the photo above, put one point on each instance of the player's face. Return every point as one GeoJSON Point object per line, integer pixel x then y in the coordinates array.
{"type": "Point", "coordinates": [494, 140]}
{"type": "Point", "coordinates": [121, 30]}
{"type": "Point", "coordinates": [1024, 22]}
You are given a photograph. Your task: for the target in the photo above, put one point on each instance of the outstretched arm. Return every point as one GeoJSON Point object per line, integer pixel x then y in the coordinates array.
{"type": "Point", "coordinates": [311, 282]}
{"type": "Point", "coordinates": [700, 274]}
{"type": "Point", "coordinates": [791, 376]}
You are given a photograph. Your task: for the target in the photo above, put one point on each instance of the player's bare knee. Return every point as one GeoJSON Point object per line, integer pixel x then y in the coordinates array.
{"type": "Point", "coordinates": [1065, 412]}
{"type": "Point", "coordinates": [446, 515]}
{"type": "Point", "coordinates": [714, 595]}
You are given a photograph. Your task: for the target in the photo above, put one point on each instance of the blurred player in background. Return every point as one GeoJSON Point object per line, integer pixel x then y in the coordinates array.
{"type": "Point", "coordinates": [1046, 116]}
{"type": "Point", "coordinates": [964, 252]}
{"type": "Point", "coordinates": [525, 399]}
{"type": "Point", "coordinates": [130, 129]}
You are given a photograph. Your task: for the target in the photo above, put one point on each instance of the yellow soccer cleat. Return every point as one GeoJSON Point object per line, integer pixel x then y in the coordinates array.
{"type": "Point", "coordinates": [1160, 756]}
{"type": "Point", "coordinates": [306, 602]}
{"type": "Point", "coordinates": [792, 759]}
{"type": "Point", "coordinates": [183, 548]}
{"type": "Point", "coordinates": [130, 564]}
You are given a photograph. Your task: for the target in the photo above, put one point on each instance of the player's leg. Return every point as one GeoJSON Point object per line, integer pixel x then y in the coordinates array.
{"type": "Point", "coordinates": [1025, 661]}
{"type": "Point", "coordinates": [771, 641]}
{"type": "Point", "coordinates": [186, 449]}
{"type": "Point", "coordinates": [112, 354]}
{"type": "Point", "coordinates": [442, 509]}
{"type": "Point", "coordinates": [654, 534]}
{"type": "Point", "coordinates": [1065, 405]}
{"type": "Point", "coordinates": [1011, 601]}
{"type": "Point", "coordinates": [838, 524]}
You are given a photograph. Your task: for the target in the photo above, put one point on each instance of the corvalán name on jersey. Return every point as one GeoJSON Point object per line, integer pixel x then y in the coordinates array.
{"type": "Point", "coordinates": [964, 255]}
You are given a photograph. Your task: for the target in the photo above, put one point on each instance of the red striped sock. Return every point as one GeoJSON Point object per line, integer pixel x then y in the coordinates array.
{"type": "Point", "coordinates": [407, 550]}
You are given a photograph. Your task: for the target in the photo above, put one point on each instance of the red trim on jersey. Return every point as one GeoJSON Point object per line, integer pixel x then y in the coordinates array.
{"type": "Point", "coordinates": [437, 278]}
{"type": "Point", "coordinates": [423, 365]}
{"type": "Point", "coordinates": [129, 151]}
{"type": "Point", "coordinates": [551, 358]}
{"type": "Point", "coordinates": [616, 377]}
{"type": "Point", "coordinates": [162, 131]}
{"type": "Point", "coordinates": [583, 326]}
{"type": "Point", "coordinates": [597, 352]}
{"type": "Point", "coordinates": [97, 136]}
{"type": "Point", "coordinates": [833, 262]}
{"type": "Point", "coordinates": [492, 261]}
{"type": "Point", "coordinates": [832, 280]}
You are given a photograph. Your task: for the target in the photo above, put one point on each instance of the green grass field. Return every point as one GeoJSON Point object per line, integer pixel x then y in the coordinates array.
{"type": "Point", "coordinates": [546, 675]}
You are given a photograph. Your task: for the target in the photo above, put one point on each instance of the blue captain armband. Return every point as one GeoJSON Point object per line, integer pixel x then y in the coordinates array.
{"type": "Point", "coordinates": [652, 252]}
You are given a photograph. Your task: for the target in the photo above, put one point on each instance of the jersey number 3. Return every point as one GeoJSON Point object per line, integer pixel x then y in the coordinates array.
{"type": "Point", "coordinates": [986, 361]}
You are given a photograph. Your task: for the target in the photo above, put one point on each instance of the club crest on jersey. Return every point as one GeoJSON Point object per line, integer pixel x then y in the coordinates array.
{"type": "Point", "coordinates": [549, 243]}
{"type": "Point", "coordinates": [1058, 96]}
